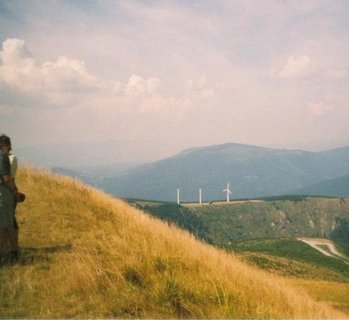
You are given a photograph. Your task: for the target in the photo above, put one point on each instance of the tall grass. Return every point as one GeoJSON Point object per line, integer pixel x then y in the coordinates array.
{"type": "Point", "coordinates": [85, 254]}
{"type": "Point", "coordinates": [335, 293]}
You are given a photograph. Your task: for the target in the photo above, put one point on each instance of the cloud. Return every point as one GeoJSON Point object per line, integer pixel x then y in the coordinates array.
{"type": "Point", "coordinates": [200, 88]}
{"type": "Point", "coordinates": [198, 84]}
{"type": "Point", "coordinates": [68, 75]}
{"type": "Point", "coordinates": [52, 83]}
{"type": "Point", "coordinates": [67, 83]}
{"type": "Point", "coordinates": [318, 108]}
{"type": "Point", "coordinates": [130, 65]}
{"type": "Point", "coordinates": [15, 52]}
{"type": "Point", "coordinates": [139, 86]}
{"type": "Point", "coordinates": [17, 67]}
{"type": "Point", "coordinates": [21, 75]}
{"type": "Point", "coordinates": [295, 66]}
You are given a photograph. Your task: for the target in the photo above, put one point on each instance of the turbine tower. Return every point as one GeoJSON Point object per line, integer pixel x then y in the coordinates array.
{"type": "Point", "coordinates": [200, 194]}
{"type": "Point", "coordinates": [227, 190]}
{"type": "Point", "coordinates": [178, 196]}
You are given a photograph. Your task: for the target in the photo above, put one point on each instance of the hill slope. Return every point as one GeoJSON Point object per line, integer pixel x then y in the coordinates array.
{"type": "Point", "coordinates": [291, 216]}
{"type": "Point", "coordinates": [334, 187]}
{"type": "Point", "coordinates": [252, 172]}
{"type": "Point", "coordinates": [88, 255]}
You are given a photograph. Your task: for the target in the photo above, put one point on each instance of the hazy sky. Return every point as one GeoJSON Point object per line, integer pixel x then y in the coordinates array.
{"type": "Point", "coordinates": [157, 77]}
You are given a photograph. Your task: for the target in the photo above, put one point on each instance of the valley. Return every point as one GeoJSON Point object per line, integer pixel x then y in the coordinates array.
{"type": "Point", "coordinates": [298, 237]}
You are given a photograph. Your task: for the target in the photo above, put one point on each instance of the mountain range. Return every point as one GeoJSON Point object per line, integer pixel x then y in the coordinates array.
{"type": "Point", "coordinates": [252, 172]}
{"type": "Point", "coordinates": [338, 187]}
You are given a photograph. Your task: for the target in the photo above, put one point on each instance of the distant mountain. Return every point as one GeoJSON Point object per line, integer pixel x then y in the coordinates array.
{"type": "Point", "coordinates": [252, 172]}
{"type": "Point", "coordinates": [95, 171]}
{"type": "Point", "coordinates": [334, 187]}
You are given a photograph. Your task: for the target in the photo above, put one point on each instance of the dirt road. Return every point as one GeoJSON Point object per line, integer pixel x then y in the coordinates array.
{"type": "Point", "coordinates": [326, 247]}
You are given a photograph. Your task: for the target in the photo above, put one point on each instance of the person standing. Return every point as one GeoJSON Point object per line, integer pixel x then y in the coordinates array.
{"type": "Point", "coordinates": [14, 165]}
{"type": "Point", "coordinates": [8, 192]}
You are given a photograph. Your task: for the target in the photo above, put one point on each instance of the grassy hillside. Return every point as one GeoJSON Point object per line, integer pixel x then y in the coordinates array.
{"type": "Point", "coordinates": [292, 258]}
{"type": "Point", "coordinates": [324, 278]}
{"type": "Point", "coordinates": [85, 254]}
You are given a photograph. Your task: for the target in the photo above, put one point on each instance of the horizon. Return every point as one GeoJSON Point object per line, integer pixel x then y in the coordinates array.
{"type": "Point", "coordinates": [153, 79]}
{"type": "Point", "coordinates": [43, 156]}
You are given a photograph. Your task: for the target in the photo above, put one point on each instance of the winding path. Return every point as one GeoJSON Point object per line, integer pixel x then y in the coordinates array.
{"type": "Point", "coordinates": [326, 247]}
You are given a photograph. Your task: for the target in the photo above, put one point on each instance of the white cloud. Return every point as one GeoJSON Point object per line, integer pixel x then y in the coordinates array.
{"type": "Point", "coordinates": [137, 86]}
{"type": "Point", "coordinates": [15, 52]}
{"type": "Point", "coordinates": [68, 74]}
{"type": "Point", "coordinates": [199, 66]}
{"type": "Point", "coordinates": [17, 67]}
{"type": "Point", "coordinates": [52, 83]}
{"type": "Point", "coordinates": [295, 66]}
{"type": "Point", "coordinates": [67, 83]}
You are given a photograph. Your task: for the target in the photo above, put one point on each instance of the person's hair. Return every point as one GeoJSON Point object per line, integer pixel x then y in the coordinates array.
{"type": "Point", "coordinates": [5, 140]}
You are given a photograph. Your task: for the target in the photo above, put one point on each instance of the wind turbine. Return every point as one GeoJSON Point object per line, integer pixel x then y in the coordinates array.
{"type": "Point", "coordinates": [178, 196]}
{"type": "Point", "coordinates": [227, 190]}
{"type": "Point", "coordinates": [200, 193]}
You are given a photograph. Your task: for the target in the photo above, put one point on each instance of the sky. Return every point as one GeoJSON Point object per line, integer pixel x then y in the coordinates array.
{"type": "Point", "coordinates": [143, 80]}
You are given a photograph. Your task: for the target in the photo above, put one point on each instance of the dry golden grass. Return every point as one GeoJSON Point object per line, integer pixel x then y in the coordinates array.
{"type": "Point", "coordinates": [86, 254]}
{"type": "Point", "coordinates": [333, 293]}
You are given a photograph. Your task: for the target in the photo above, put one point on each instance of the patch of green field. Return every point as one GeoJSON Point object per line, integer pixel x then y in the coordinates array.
{"type": "Point", "coordinates": [333, 293]}
{"type": "Point", "coordinates": [293, 197]}
{"type": "Point", "coordinates": [263, 252]}
{"type": "Point", "coordinates": [343, 248]}
{"type": "Point", "coordinates": [292, 268]}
